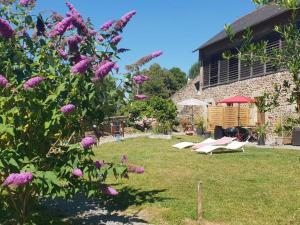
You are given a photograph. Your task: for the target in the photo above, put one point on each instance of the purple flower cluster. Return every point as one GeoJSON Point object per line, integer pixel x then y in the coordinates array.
{"type": "Point", "coordinates": [115, 40]}
{"type": "Point", "coordinates": [135, 169]}
{"type": "Point", "coordinates": [107, 25]}
{"type": "Point", "coordinates": [156, 54]}
{"type": "Point", "coordinates": [77, 172]}
{"type": "Point", "coordinates": [6, 30]}
{"type": "Point", "coordinates": [140, 79]}
{"type": "Point", "coordinates": [67, 109]}
{"type": "Point", "coordinates": [79, 58]}
{"type": "Point", "coordinates": [32, 82]}
{"type": "Point", "coordinates": [62, 54]}
{"type": "Point", "coordinates": [77, 19]}
{"type": "Point", "coordinates": [99, 164]}
{"type": "Point", "coordinates": [108, 190]}
{"type": "Point", "coordinates": [81, 67]}
{"type": "Point", "coordinates": [3, 81]}
{"type": "Point", "coordinates": [61, 27]}
{"type": "Point", "coordinates": [140, 97]}
{"type": "Point", "coordinates": [73, 42]}
{"type": "Point", "coordinates": [103, 69]}
{"type": "Point", "coordinates": [18, 179]}
{"type": "Point", "coordinates": [100, 38]}
{"type": "Point", "coordinates": [26, 2]}
{"type": "Point", "coordinates": [88, 142]}
{"type": "Point", "coordinates": [120, 24]}
{"type": "Point", "coordinates": [144, 60]}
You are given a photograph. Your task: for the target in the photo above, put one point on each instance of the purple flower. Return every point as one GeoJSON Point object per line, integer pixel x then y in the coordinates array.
{"type": "Point", "coordinates": [18, 179]}
{"type": "Point", "coordinates": [107, 25]}
{"type": "Point", "coordinates": [140, 97]}
{"type": "Point", "coordinates": [144, 60]}
{"type": "Point", "coordinates": [77, 172]}
{"type": "Point", "coordinates": [3, 81]}
{"type": "Point", "coordinates": [108, 190]}
{"type": "Point", "coordinates": [6, 30]}
{"type": "Point", "coordinates": [67, 109]}
{"type": "Point", "coordinates": [139, 170]}
{"type": "Point", "coordinates": [135, 169]}
{"type": "Point", "coordinates": [32, 82]}
{"type": "Point", "coordinates": [124, 159]}
{"type": "Point", "coordinates": [73, 42]}
{"type": "Point", "coordinates": [100, 38]}
{"type": "Point", "coordinates": [10, 179]}
{"type": "Point", "coordinates": [115, 40]}
{"type": "Point", "coordinates": [87, 142]}
{"type": "Point", "coordinates": [92, 32]}
{"type": "Point", "coordinates": [99, 164]}
{"type": "Point", "coordinates": [124, 20]}
{"type": "Point", "coordinates": [139, 79]}
{"type": "Point", "coordinates": [26, 2]}
{"type": "Point", "coordinates": [61, 27]}
{"type": "Point", "coordinates": [81, 66]}
{"type": "Point", "coordinates": [103, 69]}
{"type": "Point", "coordinates": [62, 54]}
{"type": "Point", "coordinates": [77, 19]}
{"type": "Point", "coordinates": [156, 54]}
{"type": "Point", "coordinates": [79, 58]}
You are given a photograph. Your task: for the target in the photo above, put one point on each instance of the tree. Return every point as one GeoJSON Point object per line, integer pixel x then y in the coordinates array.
{"type": "Point", "coordinates": [194, 70]}
{"type": "Point", "coordinates": [163, 83]}
{"type": "Point", "coordinates": [288, 57]}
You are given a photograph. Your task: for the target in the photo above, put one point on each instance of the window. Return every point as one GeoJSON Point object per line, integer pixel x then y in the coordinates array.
{"type": "Point", "coordinates": [214, 72]}
{"type": "Point", "coordinates": [206, 69]}
{"type": "Point", "coordinates": [273, 44]}
{"type": "Point", "coordinates": [224, 66]}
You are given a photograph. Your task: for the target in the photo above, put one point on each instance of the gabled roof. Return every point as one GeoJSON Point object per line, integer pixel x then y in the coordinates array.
{"type": "Point", "coordinates": [256, 17]}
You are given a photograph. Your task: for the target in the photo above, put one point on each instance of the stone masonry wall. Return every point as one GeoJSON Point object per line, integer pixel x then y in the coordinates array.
{"type": "Point", "coordinates": [251, 87]}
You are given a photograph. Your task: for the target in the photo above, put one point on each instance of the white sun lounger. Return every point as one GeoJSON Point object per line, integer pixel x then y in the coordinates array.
{"type": "Point", "coordinates": [233, 146]}
{"type": "Point", "coordinates": [183, 145]}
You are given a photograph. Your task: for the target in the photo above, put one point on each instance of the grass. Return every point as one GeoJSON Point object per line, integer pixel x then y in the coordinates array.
{"type": "Point", "coordinates": [260, 186]}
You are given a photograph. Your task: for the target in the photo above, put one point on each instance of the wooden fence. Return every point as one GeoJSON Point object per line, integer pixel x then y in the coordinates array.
{"type": "Point", "coordinates": [226, 117]}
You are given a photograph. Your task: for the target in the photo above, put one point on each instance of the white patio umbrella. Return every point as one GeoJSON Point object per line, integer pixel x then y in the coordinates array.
{"type": "Point", "coordinates": [192, 102]}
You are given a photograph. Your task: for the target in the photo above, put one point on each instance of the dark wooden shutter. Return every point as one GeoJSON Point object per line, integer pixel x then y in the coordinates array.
{"type": "Point", "coordinates": [206, 73]}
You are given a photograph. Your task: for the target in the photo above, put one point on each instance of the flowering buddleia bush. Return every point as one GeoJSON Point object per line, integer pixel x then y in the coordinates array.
{"type": "Point", "coordinates": [54, 81]}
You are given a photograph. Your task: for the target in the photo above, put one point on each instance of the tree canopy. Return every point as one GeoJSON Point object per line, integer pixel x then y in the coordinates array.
{"type": "Point", "coordinates": [194, 70]}
{"type": "Point", "coordinates": [163, 82]}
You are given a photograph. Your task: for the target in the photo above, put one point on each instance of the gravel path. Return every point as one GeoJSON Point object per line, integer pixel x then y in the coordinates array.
{"type": "Point", "coordinates": [88, 211]}
{"type": "Point", "coordinates": [107, 139]}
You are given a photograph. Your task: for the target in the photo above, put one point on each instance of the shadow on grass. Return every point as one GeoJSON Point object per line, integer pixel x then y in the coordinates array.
{"type": "Point", "coordinates": [105, 210]}
{"type": "Point", "coordinates": [129, 196]}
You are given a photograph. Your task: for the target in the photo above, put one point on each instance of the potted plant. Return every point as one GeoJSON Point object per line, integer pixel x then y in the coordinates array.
{"type": "Point", "coordinates": [162, 130]}
{"type": "Point", "coordinates": [199, 124]}
{"type": "Point", "coordinates": [279, 132]}
{"type": "Point", "coordinates": [262, 131]}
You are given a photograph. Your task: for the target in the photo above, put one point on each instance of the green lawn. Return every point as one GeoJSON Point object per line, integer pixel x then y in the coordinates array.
{"type": "Point", "coordinates": [260, 186]}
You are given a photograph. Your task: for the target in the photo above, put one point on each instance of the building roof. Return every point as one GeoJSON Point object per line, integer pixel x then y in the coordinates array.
{"type": "Point", "coordinates": [256, 17]}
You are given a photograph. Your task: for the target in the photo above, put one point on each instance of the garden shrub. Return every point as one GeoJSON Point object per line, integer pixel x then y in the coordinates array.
{"type": "Point", "coordinates": [143, 113]}
{"type": "Point", "coordinates": [54, 81]}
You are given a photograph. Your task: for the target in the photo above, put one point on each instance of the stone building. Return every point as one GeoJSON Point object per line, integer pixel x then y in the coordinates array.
{"type": "Point", "coordinates": [220, 78]}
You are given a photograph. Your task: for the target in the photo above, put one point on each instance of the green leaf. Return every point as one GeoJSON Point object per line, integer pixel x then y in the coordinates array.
{"type": "Point", "coordinates": [6, 129]}
{"type": "Point", "coordinates": [13, 162]}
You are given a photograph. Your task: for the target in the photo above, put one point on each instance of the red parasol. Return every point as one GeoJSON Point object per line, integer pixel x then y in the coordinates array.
{"type": "Point", "coordinates": [238, 99]}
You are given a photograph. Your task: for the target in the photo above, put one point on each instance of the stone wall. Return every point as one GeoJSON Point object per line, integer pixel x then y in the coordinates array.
{"type": "Point", "coordinates": [251, 87]}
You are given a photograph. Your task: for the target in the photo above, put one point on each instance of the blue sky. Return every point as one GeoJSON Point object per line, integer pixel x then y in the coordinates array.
{"type": "Point", "coordinates": [175, 26]}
